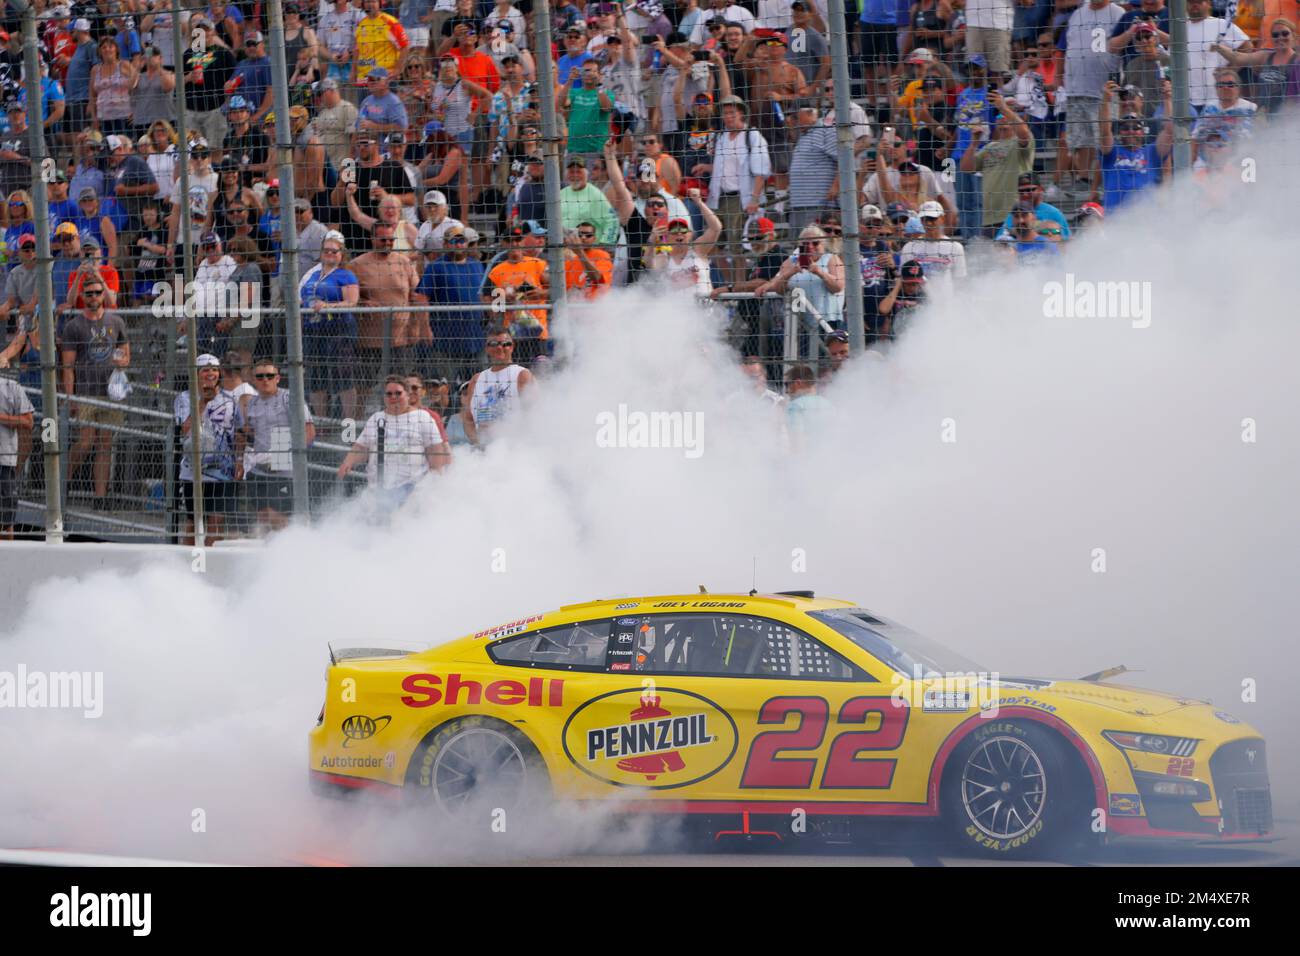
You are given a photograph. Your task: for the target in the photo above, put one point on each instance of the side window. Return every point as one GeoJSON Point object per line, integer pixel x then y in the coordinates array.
{"type": "Point", "coordinates": [733, 645]}
{"type": "Point", "coordinates": [570, 647]}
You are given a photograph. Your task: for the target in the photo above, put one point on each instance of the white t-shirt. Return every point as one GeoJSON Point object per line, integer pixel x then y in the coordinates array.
{"type": "Point", "coordinates": [944, 259]}
{"type": "Point", "coordinates": [495, 394]}
{"type": "Point", "coordinates": [732, 14]}
{"type": "Point", "coordinates": [431, 236]}
{"type": "Point", "coordinates": [406, 437]}
{"type": "Point", "coordinates": [774, 14]}
{"type": "Point", "coordinates": [691, 270]}
{"type": "Point", "coordinates": [990, 14]}
{"type": "Point", "coordinates": [1203, 61]}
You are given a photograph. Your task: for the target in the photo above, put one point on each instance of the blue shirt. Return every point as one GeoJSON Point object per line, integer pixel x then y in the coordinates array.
{"type": "Point", "coordinates": [972, 108]}
{"type": "Point", "coordinates": [386, 109]}
{"type": "Point", "coordinates": [1126, 172]}
{"type": "Point", "coordinates": [570, 62]}
{"type": "Point", "coordinates": [79, 73]}
{"type": "Point", "coordinates": [879, 12]}
{"type": "Point", "coordinates": [329, 289]}
{"type": "Point", "coordinates": [51, 92]}
{"type": "Point", "coordinates": [256, 80]}
{"type": "Point", "coordinates": [454, 283]}
{"type": "Point", "coordinates": [269, 226]}
{"type": "Point", "coordinates": [61, 211]}
{"type": "Point", "coordinates": [1030, 252]}
{"type": "Point", "coordinates": [1045, 210]}
{"type": "Point", "coordinates": [128, 44]}
{"type": "Point", "coordinates": [60, 273]}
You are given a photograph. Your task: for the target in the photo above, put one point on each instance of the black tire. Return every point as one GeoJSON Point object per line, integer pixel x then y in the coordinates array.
{"type": "Point", "coordinates": [1010, 791]}
{"type": "Point", "coordinates": [479, 764]}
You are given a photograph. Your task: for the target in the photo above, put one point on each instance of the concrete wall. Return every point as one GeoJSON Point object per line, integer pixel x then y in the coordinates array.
{"type": "Point", "coordinates": [24, 564]}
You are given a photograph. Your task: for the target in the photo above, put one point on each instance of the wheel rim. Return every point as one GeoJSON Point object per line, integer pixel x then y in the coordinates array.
{"type": "Point", "coordinates": [479, 763]}
{"type": "Point", "coordinates": [1003, 787]}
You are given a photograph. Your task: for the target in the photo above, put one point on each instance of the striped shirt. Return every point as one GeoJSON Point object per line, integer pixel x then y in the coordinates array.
{"type": "Point", "coordinates": [813, 167]}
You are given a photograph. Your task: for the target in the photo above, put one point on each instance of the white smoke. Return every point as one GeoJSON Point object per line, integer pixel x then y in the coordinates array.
{"type": "Point", "coordinates": [1071, 435]}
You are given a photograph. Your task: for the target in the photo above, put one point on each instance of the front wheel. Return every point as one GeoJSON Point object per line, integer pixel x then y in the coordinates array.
{"type": "Point", "coordinates": [1007, 791]}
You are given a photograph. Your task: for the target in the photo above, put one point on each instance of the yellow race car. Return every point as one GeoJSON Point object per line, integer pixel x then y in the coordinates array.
{"type": "Point", "coordinates": [774, 711]}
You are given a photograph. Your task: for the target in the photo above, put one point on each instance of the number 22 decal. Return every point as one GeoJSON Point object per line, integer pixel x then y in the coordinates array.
{"type": "Point", "coordinates": [844, 768]}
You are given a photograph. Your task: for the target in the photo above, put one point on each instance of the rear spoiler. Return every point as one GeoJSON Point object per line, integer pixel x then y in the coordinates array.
{"type": "Point", "coordinates": [1108, 673]}
{"type": "Point", "coordinates": [356, 653]}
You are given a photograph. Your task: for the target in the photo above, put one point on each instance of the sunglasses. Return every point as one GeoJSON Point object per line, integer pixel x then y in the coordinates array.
{"type": "Point", "coordinates": [331, 249]}
{"type": "Point", "coordinates": [1226, 83]}
{"type": "Point", "coordinates": [456, 240]}
{"type": "Point", "coordinates": [17, 204]}
{"type": "Point", "coordinates": [679, 231]}
{"type": "Point", "coordinates": [1049, 232]}
{"type": "Point", "coordinates": [266, 375]}
{"type": "Point", "coordinates": [89, 292]}
{"type": "Point", "coordinates": [586, 235]}
{"type": "Point", "coordinates": [833, 230]}
{"type": "Point", "coordinates": [415, 388]}
{"type": "Point", "coordinates": [395, 393]}
{"type": "Point", "coordinates": [1282, 35]}
{"type": "Point", "coordinates": [501, 345]}
{"type": "Point", "coordinates": [234, 209]}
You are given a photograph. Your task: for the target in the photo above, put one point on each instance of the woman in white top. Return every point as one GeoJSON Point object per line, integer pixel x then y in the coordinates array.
{"type": "Point", "coordinates": [685, 261]}
{"type": "Point", "coordinates": [818, 275]}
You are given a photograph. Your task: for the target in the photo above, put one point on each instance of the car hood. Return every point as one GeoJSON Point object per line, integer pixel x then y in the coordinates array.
{"type": "Point", "coordinates": [1137, 701]}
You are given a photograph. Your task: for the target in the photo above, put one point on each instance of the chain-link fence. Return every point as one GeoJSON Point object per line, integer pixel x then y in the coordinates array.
{"type": "Point", "coordinates": [447, 173]}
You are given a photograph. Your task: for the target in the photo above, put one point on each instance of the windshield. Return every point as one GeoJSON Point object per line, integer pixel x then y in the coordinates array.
{"type": "Point", "coordinates": [906, 651]}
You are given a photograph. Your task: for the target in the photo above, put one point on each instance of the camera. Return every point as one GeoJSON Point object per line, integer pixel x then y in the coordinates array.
{"type": "Point", "coordinates": [701, 56]}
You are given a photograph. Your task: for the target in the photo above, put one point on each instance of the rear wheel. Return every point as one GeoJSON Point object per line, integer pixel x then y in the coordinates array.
{"type": "Point", "coordinates": [479, 764]}
{"type": "Point", "coordinates": [1007, 791]}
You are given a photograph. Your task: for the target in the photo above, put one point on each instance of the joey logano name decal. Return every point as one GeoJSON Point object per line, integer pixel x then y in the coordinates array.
{"type": "Point", "coordinates": [659, 740]}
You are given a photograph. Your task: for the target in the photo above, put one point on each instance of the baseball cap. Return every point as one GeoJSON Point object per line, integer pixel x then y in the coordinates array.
{"type": "Point", "coordinates": [1026, 207]}
{"type": "Point", "coordinates": [897, 212]}
{"type": "Point", "coordinates": [471, 235]}
{"type": "Point", "coordinates": [535, 159]}
{"type": "Point", "coordinates": [90, 242]}
{"type": "Point", "coordinates": [912, 269]}
{"type": "Point", "coordinates": [1093, 209]}
{"type": "Point", "coordinates": [921, 55]}
{"type": "Point", "coordinates": [431, 127]}
{"type": "Point", "coordinates": [27, 239]}
{"type": "Point", "coordinates": [764, 226]}
{"type": "Point", "coordinates": [913, 227]}
{"type": "Point", "coordinates": [209, 239]}
{"type": "Point", "coordinates": [87, 193]}
{"type": "Point", "coordinates": [931, 210]}
{"type": "Point", "coordinates": [301, 204]}
{"type": "Point", "coordinates": [298, 112]}
{"type": "Point", "coordinates": [66, 229]}
{"type": "Point", "coordinates": [1146, 27]}
{"type": "Point", "coordinates": [333, 235]}
{"type": "Point", "coordinates": [703, 97]}
{"type": "Point", "coordinates": [208, 360]}
{"type": "Point", "coordinates": [254, 37]}
{"type": "Point", "coordinates": [329, 84]}
{"type": "Point", "coordinates": [1027, 179]}
{"type": "Point", "coordinates": [237, 102]}
{"type": "Point", "coordinates": [81, 26]}
{"type": "Point", "coordinates": [118, 142]}
{"type": "Point", "coordinates": [377, 73]}
{"type": "Point", "coordinates": [679, 221]}
{"type": "Point", "coordinates": [732, 100]}
{"type": "Point", "coordinates": [396, 139]}
{"type": "Point", "coordinates": [871, 212]}
{"type": "Point", "coordinates": [575, 160]}
{"type": "Point", "coordinates": [435, 197]}
{"type": "Point", "coordinates": [978, 59]}
{"type": "Point", "coordinates": [536, 228]}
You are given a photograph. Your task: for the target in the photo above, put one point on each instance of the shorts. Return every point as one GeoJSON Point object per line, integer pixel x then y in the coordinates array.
{"type": "Point", "coordinates": [328, 362]}
{"type": "Point", "coordinates": [731, 211]}
{"type": "Point", "coordinates": [98, 415]}
{"type": "Point", "coordinates": [270, 493]}
{"type": "Point", "coordinates": [1081, 122]}
{"type": "Point", "coordinates": [76, 117]}
{"type": "Point", "coordinates": [879, 42]}
{"type": "Point", "coordinates": [219, 497]}
{"type": "Point", "coordinates": [8, 495]}
{"type": "Point", "coordinates": [993, 43]}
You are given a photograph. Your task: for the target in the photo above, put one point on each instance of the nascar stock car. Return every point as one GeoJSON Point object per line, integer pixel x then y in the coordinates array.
{"type": "Point", "coordinates": [768, 706]}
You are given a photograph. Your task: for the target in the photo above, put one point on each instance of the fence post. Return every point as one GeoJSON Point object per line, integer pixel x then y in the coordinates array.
{"type": "Point", "coordinates": [289, 263]}
{"type": "Point", "coordinates": [551, 157]}
{"type": "Point", "coordinates": [1182, 118]}
{"type": "Point", "coordinates": [42, 168]}
{"type": "Point", "coordinates": [848, 176]}
{"type": "Point", "coordinates": [187, 260]}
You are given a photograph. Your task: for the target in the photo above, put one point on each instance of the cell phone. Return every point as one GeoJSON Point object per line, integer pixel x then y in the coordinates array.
{"type": "Point", "coordinates": [805, 259]}
{"type": "Point", "coordinates": [701, 56]}
{"type": "Point", "coordinates": [1116, 79]}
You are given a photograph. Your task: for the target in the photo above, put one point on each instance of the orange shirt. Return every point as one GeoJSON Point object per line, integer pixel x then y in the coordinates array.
{"type": "Point", "coordinates": [478, 67]}
{"type": "Point", "coordinates": [77, 279]}
{"type": "Point", "coordinates": [516, 274]}
{"type": "Point", "coordinates": [576, 278]}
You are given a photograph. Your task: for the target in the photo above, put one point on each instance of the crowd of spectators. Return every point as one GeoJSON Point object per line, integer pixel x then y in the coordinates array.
{"type": "Point", "coordinates": [699, 149]}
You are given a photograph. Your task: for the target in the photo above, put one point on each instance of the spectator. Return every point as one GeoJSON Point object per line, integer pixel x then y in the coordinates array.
{"type": "Point", "coordinates": [94, 345]}
{"type": "Point", "coordinates": [220, 468]}
{"type": "Point", "coordinates": [237, 329]}
{"type": "Point", "coordinates": [906, 294]}
{"type": "Point", "coordinates": [900, 180]}
{"type": "Point", "coordinates": [519, 279]}
{"type": "Point", "coordinates": [15, 153]}
{"type": "Point", "coordinates": [817, 274]}
{"type": "Point", "coordinates": [162, 156]}
{"type": "Point", "coordinates": [453, 279]}
{"type": "Point", "coordinates": [77, 86]}
{"type": "Point", "coordinates": [230, 205]}
{"type": "Point", "coordinates": [246, 144]}
{"type": "Point", "coordinates": [415, 389]}
{"type": "Point", "coordinates": [374, 177]}
{"type": "Point", "coordinates": [387, 280]}
{"type": "Point", "coordinates": [406, 236]}
{"type": "Point", "coordinates": [399, 445]}
{"type": "Point", "coordinates": [580, 201]}
{"type": "Point", "coordinates": [806, 411]}
{"type": "Point", "coordinates": [1276, 69]}
{"type": "Point", "coordinates": [1086, 72]}
{"type": "Point", "coordinates": [1028, 189]}
{"type": "Point", "coordinates": [682, 259]}
{"type": "Point", "coordinates": [211, 291]}
{"type": "Point", "coordinates": [19, 209]}
{"type": "Point", "coordinates": [16, 414]}
{"type": "Point", "coordinates": [738, 177]}
{"type": "Point", "coordinates": [20, 286]}
{"type": "Point", "coordinates": [92, 266]}
{"type": "Point", "coordinates": [1131, 167]}
{"type": "Point", "coordinates": [1151, 18]}
{"type": "Point", "coordinates": [129, 179]}
{"type": "Point", "coordinates": [66, 246]}
{"type": "Point", "coordinates": [586, 109]}
{"type": "Point", "coordinates": [264, 445]}
{"type": "Point", "coordinates": [1231, 114]}
{"type": "Point", "coordinates": [814, 171]}
{"type": "Point", "coordinates": [92, 221]}
{"type": "Point", "coordinates": [252, 77]}
{"type": "Point", "coordinates": [150, 248]}
{"type": "Point", "coordinates": [588, 270]}
{"type": "Point", "coordinates": [311, 233]}
{"type": "Point", "coordinates": [1029, 246]}
{"type": "Point", "coordinates": [939, 256]}
{"type": "Point", "coordinates": [837, 356]}
{"type": "Point", "coordinates": [1002, 162]}
{"type": "Point", "coordinates": [988, 31]}
{"type": "Point", "coordinates": [206, 74]}
{"type": "Point", "coordinates": [1204, 34]}
{"type": "Point", "coordinates": [877, 45]}
{"type": "Point", "coordinates": [336, 32]}
{"type": "Point", "coordinates": [327, 292]}
{"type": "Point", "coordinates": [203, 184]}
{"type": "Point", "coordinates": [975, 115]}
{"type": "Point", "coordinates": [334, 122]}
{"type": "Point", "coordinates": [62, 209]}
{"type": "Point", "coordinates": [110, 87]}
{"type": "Point", "coordinates": [436, 223]}
{"type": "Point", "coordinates": [152, 92]}
{"type": "Point", "coordinates": [445, 166]}
{"type": "Point", "coordinates": [381, 111]}
{"type": "Point", "coordinates": [495, 392]}
{"type": "Point", "coordinates": [380, 41]}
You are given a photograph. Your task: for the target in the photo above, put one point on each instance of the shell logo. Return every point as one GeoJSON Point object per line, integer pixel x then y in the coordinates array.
{"type": "Point", "coordinates": [659, 741]}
